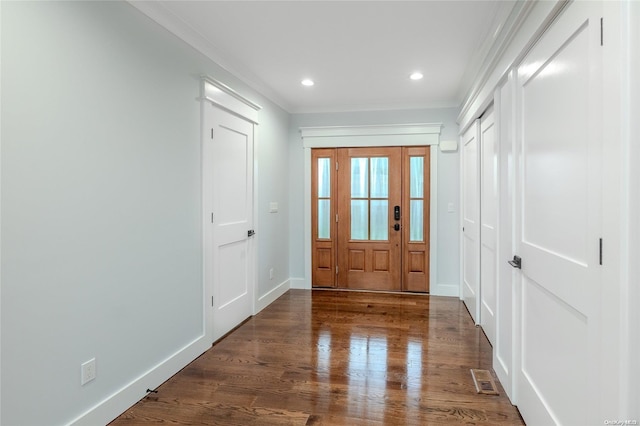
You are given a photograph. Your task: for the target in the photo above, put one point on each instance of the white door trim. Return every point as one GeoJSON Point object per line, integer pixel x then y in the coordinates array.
{"type": "Point", "coordinates": [222, 96]}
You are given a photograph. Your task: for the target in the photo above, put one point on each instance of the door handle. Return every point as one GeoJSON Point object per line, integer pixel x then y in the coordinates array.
{"type": "Point", "coordinates": [396, 213]}
{"type": "Point", "coordinates": [396, 226]}
{"type": "Point", "coordinates": [251, 233]}
{"type": "Point", "coordinates": [516, 262]}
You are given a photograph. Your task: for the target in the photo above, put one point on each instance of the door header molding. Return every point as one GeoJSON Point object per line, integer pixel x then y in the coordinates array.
{"type": "Point", "coordinates": [225, 97]}
{"type": "Point", "coordinates": [418, 134]}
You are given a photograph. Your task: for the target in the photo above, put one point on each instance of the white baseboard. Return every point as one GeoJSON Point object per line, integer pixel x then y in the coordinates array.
{"type": "Point", "coordinates": [116, 404]}
{"type": "Point", "coordinates": [300, 283]}
{"type": "Point", "coordinates": [441, 289]}
{"type": "Point", "coordinates": [272, 295]}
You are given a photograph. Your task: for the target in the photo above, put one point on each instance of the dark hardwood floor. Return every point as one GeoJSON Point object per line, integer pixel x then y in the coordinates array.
{"type": "Point", "coordinates": [337, 358]}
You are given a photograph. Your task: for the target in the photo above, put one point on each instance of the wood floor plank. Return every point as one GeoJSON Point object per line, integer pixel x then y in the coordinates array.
{"type": "Point", "coordinates": [337, 358]}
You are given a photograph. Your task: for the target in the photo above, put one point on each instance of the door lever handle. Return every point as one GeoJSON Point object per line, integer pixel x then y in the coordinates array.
{"type": "Point", "coordinates": [516, 262]}
{"type": "Point", "coordinates": [251, 233]}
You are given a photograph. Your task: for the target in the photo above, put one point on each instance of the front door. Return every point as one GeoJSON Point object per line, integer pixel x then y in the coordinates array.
{"type": "Point", "coordinates": [228, 154]}
{"type": "Point", "coordinates": [370, 218]}
{"type": "Point", "coordinates": [559, 224]}
{"type": "Point", "coordinates": [370, 213]}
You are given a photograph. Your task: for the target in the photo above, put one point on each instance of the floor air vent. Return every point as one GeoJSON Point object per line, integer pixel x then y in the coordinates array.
{"type": "Point", "coordinates": [484, 382]}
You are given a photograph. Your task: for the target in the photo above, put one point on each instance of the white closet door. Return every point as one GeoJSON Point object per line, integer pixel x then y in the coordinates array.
{"type": "Point", "coordinates": [489, 223]}
{"type": "Point", "coordinates": [559, 220]}
{"type": "Point", "coordinates": [471, 221]}
{"type": "Point", "coordinates": [503, 350]}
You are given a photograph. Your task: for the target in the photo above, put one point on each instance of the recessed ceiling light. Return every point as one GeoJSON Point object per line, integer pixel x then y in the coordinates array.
{"type": "Point", "coordinates": [307, 82]}
{"type": "Point", "coordinates": [416, 76]}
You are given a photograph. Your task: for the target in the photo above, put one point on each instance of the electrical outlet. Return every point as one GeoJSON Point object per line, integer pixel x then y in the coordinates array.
{"type": "Point", "coordinates": [88, 371]}
{"type": "Point", "coordinates": [271, 273]}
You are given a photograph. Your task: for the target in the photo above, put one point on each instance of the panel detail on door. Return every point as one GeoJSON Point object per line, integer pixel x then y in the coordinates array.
{"type": "Point", "coordinates": [356, 260]}
{"type": "Point", "coordinates": [416, 261]}
{"type": "Point", "coordinates": [233, 275]}
{"type": "Point", "coordinates": [324, 260]}
{"type": "Point", "coordinates": [381, 260]}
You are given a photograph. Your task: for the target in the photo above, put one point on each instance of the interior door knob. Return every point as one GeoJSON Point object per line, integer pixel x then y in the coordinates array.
{"type": "Point", "coordinates": [516, 262]}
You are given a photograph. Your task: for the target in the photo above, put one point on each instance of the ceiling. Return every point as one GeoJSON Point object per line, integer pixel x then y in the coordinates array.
{"type": "Point", "coordinates": [359, 53]}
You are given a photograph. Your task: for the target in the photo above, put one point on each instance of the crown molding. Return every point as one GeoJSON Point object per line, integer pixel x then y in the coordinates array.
{"type": "Point", "coordinates": [158, 12]}
{"type": "Point", "coordinates": [502, 40]}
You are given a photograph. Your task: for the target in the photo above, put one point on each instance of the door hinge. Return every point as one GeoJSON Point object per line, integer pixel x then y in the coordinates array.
{"type": "Point", "coordinates": [211, 217]}
{"type": "Point", "coordinates": [601, 31]}
{"type": "Point", "coordinates": [600, 249]}
{"type": "Point", "coordinates": [336, 270]}
{"type": "Point", "coordinates": [211, 300]}
{"type": "Point", "coordinates": [212, 133]}
{"type": "Point", "coordinates": [336, 217]}
{"type": "Point", "coordinates": [336, 165]}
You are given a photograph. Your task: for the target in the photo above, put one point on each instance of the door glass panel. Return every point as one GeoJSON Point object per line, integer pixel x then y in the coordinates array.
{"type": "Point", "coordinates": [379, 177]}
{"type": "Point", "coordinates": [324, 178]}
{"type": "Point", "coordinates": [359, 219]}
{"type": "Point", "coordinates": [324, 220]}
{"type": "Point", "coordinates": [417, 177]}
{"type": "Point", "coordinates": [416, 215]}
{"type": "Point", "coordinates": [379, 219]}
{"type": "Point", "coordinates": [359, 178]}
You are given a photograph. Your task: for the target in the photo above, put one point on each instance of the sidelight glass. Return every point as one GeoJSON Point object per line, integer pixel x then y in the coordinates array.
{"type": "Point", "coordinates": [416, 165]}
{"type": "Point", "coordinates": [359, 219]}
{"type": "Point", "coordinates": [359, 178]}
{"type": "Point", "coordinates": [379, 220]}
{"type": "Point", "coordinates": [416, 215]}
{"type": "Point", "coordinates": [324, 177]}
{"type": "Point", "coordinates": [324, 219]}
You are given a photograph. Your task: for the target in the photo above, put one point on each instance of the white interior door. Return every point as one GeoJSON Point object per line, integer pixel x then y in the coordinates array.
{"type": "Point", "coordinates": [488, 221]}
{"type": "Point", "coordinates": [559, 91]}
{"type": "Point", "coordinates": [471, 222]}
{"type": "Point", "coordinates": [503, 353]}
{"type": "Point", "coordinates": [228, 154]}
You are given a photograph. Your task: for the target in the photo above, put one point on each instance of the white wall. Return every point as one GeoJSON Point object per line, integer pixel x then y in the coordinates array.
{"type": "Point", "coordinates": [100, 198]}
{"type": "Point", "coordinates": [272, 145]}
{"type": "Point", "coordinates": [448, 182]}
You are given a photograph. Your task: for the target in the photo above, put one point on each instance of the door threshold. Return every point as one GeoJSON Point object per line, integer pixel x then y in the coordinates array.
{"type": "Point", "coordinates": [355, 290]}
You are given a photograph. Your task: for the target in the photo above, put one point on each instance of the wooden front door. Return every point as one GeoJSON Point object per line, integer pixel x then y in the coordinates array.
{"type": "Point", "coordinates": [369, 229]}
{"type": "Point", "coordinates": [370, 216]}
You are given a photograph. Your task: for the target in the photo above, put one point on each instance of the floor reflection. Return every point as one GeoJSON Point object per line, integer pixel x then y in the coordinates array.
{"type": "Point", "coordinates": [367, 373]}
